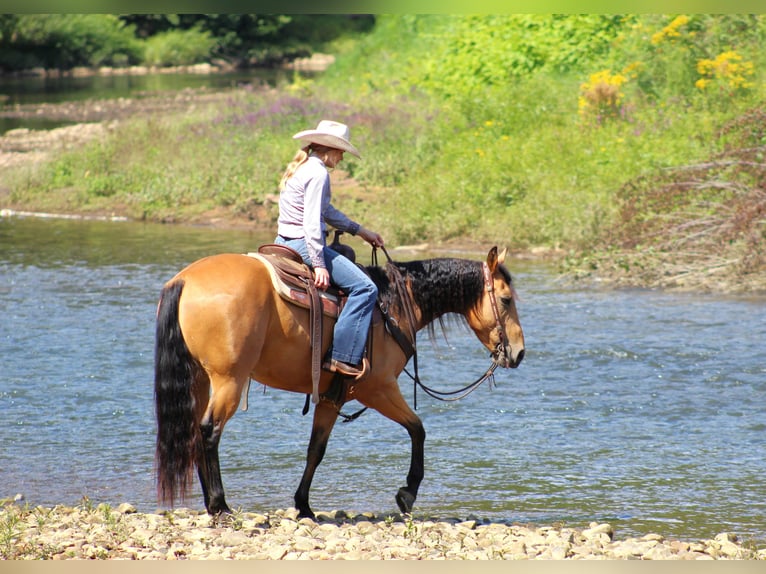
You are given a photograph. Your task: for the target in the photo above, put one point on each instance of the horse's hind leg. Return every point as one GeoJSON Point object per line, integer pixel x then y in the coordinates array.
{"type": "Point", "coordinates": [221, 407]}
{"type": "Point", "coordinates": [201, 390]}
{"type": "Point", "coordinates": [210, 469]}
{"type": "Point", "coordinates": [325, 415]}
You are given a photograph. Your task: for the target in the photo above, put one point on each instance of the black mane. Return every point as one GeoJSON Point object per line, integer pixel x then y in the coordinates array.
{"type": "Point", "coordinates": [439, 286]}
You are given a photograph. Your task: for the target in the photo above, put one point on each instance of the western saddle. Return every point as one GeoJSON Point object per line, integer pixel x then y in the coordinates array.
{"type": "Point", "coordinates": [294, 281]}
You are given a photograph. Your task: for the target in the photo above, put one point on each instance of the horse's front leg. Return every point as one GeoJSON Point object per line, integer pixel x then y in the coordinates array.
{"type": "Point", "coordinates": [406, 495]}
{"type": "Point", "coordinates": [386, 398]}
{"type": "Point", "coordinates": [325, 415]}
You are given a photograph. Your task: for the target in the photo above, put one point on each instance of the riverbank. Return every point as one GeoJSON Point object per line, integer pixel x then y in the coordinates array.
{"type": "Point", "coordinates": [738, 269]}
{"type": "Point", "coordinates": [121, 533]}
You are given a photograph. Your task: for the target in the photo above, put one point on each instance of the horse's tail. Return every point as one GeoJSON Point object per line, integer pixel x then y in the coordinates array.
{"type": "Point", "coordinates": [178, 435]}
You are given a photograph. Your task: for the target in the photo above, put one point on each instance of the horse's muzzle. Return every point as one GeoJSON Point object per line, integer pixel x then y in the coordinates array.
{"type": "Point", "coordinates": [503, 357]}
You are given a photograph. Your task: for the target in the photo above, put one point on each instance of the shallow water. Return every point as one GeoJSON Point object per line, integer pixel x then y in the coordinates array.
{"type": "Point", "coordinates": [37, 90]}
{"type": "Point", "coordinates": [640, 408]}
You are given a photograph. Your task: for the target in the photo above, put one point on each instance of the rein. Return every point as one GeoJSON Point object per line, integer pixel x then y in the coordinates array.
{"type": "Point", "coordinates": [409, 345]}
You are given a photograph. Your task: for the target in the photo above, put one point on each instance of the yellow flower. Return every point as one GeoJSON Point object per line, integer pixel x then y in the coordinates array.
{"type": "Point", "coordinates": [631, 70]}
{"type": "Point", "coordinates": [726, 67]}
{"type": "Point", "coordinates": [600, 96]}
{"type": "Point", "coordinates": [672, 30]}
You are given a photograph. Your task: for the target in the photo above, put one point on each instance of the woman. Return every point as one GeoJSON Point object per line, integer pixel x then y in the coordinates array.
{"type": "Point", "coordinates": [305, 210]}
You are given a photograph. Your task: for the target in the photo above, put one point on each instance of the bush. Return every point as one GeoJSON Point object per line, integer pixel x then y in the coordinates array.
{"type": "Point", "coordinates": [494, 50]}
{"type": "Point", "coordinates": [178, 48]}
{"type": "Point", "coordinates": [64, 41]}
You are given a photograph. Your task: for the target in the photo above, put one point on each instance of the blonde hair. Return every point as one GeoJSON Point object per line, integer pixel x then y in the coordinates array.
{"type": "Point", "coordinates": [300, 158]}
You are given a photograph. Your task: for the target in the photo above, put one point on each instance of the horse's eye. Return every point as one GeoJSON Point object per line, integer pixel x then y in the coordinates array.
{"type": "Point", "coordinates": [506, 301]}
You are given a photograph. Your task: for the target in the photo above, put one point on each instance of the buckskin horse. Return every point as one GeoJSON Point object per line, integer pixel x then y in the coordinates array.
{"type": "Point", "coordinates": [220, 323]}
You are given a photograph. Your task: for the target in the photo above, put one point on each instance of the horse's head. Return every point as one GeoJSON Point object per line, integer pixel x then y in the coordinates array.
{"type": "Point", "coordinates": [495, 319]}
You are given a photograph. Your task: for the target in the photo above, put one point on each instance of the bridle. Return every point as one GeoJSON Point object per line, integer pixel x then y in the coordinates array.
{"type": "Point", "coordinates": [409, 343]}
{"type": "Point", "coordinates": [501, 349]}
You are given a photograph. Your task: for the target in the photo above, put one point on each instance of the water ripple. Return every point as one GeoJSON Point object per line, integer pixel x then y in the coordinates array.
{"type": "Point", "coordinates": [641, 408]}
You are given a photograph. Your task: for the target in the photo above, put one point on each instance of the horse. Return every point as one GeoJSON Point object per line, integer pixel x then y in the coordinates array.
{"type": "Point", "coordinates": [220, 324]}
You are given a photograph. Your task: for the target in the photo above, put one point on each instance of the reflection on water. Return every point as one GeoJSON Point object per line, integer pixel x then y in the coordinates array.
{"type": "Point", "coordinates": [95, 244]}
{"type": "Point", "coordinates": [639, 408]}
{"type": "Point", "coordinates": [37, 90]}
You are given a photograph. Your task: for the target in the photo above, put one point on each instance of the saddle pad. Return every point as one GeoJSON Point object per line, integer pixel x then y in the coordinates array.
{"type": "Point", "coordinates": [293, 293]}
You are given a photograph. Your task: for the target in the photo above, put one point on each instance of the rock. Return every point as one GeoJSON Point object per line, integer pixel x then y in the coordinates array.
{"type": "Point", "coordinates": [627, 550]}
{"type": "Point", "coordinates": [596, 529]}
{"type": "Point", "coordinates": [653, 537]}
{"type": "Point", "coordinates": [726, 537]}
{"type": "Point", "coordinates": [276, 553]}
{"type": "Point", "coordinates": [126, 508]}
{"type": "Point", "coordinates": [731, 550]}
{"type": "Point", "coordinates": [304, 544]}
{"type": "Point", "coordinates": [679, 546]}
{"type": "Point", "coordinates": [365, 527]}
{"type": "Point", "coordinates": [188, 534]}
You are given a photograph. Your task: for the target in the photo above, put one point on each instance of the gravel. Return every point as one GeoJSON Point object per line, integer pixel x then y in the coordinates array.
{"type": "Point", "coordinates": [104, 532]}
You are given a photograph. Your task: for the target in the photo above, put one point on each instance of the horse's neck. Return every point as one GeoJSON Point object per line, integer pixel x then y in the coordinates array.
{"type": "Point", "coordinates": [445, 286]}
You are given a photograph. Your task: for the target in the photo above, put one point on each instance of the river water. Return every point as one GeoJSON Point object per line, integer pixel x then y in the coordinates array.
{"type": "Point", "coordinates": [39, 89]}
{"type": "Point", "coordinates": [639, 408]}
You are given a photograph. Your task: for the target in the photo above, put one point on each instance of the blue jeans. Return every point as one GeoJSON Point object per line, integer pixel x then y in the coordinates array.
{"type": "Point", "coordinates": [350, 332]}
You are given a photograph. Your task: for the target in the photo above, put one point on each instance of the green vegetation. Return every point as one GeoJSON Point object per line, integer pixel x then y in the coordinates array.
{"type": "Point", "coordinates": [64, 41]}
{"type": "Point", "coordinates": [519, 129]}
{"type": "Point", "coordinates": [698, 225]}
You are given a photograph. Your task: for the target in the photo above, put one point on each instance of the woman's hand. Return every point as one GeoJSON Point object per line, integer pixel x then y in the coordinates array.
{"type": "Point", "coordinates": [321, 278]}
{"type": "Point", "coordinates": [370, 237]}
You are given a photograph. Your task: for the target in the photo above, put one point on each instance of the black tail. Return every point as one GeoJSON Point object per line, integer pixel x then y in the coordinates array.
{"type": "Point", "coordinates": [178, 436]}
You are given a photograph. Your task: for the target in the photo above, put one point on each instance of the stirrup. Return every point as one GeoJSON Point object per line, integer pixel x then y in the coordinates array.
{"type": "Point", "coordinates": [358, 374]}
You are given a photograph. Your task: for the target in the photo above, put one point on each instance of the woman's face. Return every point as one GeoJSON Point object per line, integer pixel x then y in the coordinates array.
{"type": "Point", "coordinates": [334, 157]}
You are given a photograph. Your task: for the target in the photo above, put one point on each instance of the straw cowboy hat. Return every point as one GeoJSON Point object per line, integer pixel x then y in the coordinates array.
{"type": "Point", "coordinates": [330, 134]}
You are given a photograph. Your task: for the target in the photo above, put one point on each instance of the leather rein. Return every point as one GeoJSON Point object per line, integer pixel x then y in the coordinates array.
{"type": "Point", "coordinates": [409, 343]}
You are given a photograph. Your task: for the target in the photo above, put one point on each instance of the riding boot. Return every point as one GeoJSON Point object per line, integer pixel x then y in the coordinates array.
{"type": "Point", "coordinates": [359, 372]}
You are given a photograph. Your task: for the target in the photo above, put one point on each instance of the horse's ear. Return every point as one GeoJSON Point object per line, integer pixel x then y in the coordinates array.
{"type": "Point", "coordinates": [492, 259]}
{"type": "Point", "coordinates": [501, 257]}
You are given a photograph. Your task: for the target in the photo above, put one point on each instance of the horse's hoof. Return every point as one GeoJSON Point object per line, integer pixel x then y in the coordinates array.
{"type": "Point", "coordinates": [307, 513]}
{"type": "Point", "coordinates": [405, 499]}
{"type": "Point", "coordinates": [219, 510]}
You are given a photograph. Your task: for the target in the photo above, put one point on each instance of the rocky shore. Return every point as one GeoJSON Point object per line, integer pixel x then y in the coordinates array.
{"type": "Point", "coordinates": [103, 532]}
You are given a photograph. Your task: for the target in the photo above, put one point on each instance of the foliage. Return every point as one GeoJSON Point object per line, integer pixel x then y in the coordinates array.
{"type": "Point", "coordinates": [178, 48]}
{"type": "Point", "coordinates": [601, 96]}
{"type": "Point", "coordinates": [666, 49]}
{"type": "Point", "coordinates": [519, 129]}
{"type": "Point", "coordinates": [693, 222]}
{"type": "Point", "coordinates": [239, 38]}
{"type": "Point", "coordinates": [65, 40]}
{"type": "Point", "coordinates": [494, 50]}
{"type": "Point", "coordinates": [727, 71]}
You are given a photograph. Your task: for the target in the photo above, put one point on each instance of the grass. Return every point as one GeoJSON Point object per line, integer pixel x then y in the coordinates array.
{"type": "Point", "coordinates": [700, 225]}
{"type": "Point", "coordinates": [517, 162]}
{"type": "Point", "coordinates": [11, 529]}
